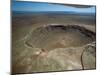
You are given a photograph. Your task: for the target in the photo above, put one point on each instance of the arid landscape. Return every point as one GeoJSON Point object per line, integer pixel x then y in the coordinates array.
{"type": "Point", "coordinates": [54, 41]}
{"type": "Point", "coordinates": [62, 39]}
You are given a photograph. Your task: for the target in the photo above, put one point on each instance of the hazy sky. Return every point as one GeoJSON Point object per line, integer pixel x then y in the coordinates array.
{"type": "Point", "coordinates": [36, 6]}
